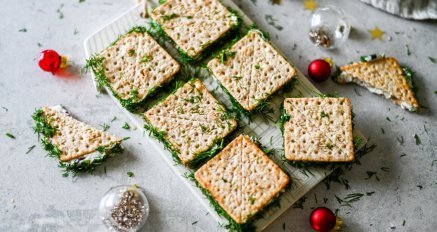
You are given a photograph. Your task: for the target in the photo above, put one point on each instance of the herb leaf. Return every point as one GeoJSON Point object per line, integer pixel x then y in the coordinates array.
{"type": "Point", "coordinates": [126, 126]}
{"type": "Point", "coordinates": [30, 149]}
{"type": "Point", "coordinates": [10, 135]}
{"type": "Point", "coordinates": [130, 174]}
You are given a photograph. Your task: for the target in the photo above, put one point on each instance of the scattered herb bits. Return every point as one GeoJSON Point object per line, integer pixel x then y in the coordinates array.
{"type": "Point", "coordinates": [126, 126]}
{"type": "Point", "coordinates": [10, 135]}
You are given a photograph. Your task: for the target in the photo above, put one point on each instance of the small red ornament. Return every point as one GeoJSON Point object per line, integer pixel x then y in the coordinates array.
{"type": "Point", "coordinates": [323, 219]}
{"type": "Point", "coordinates": [50, 61]}
{"type": "Point", "coordinates": [319, 70]}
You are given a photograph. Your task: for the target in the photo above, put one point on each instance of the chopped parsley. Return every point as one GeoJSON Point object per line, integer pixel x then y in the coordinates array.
{"type": "Point", "coordinates": [114, 118]}
{"type": "Point", "coordinates": [23, 30]}
{"type": "Point", "coordinates": [130, 174]}
{"type": "Point", "coordinates": [10, 135]}
{"type": "Point", "coordinates": [193, 223]}
{"type": "Point", "coordinates": [434, 60]}
{"type": "Point", "coordinates": [252, 200]}
{"type": "Point", "coordinates": [257, 66]}
{"type": "Point", "coordinates": [126, 126]}
{"type": "Point", "coordinates": [330, 146]}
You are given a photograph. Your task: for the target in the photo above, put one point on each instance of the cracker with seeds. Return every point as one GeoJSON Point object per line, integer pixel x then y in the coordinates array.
{"type": "Point", "coordinates": [251, 70]}
{"type": "Point", "coordinates": [242, 179]}
{"type": "Point", "coordinates": [78, 146]}
{"type": "Point", "coordinates": [194, 25]}
{"type": "Point", "coordinates": [383, 76]}
{"type": "Point", "coordinates": [318, 129]}
{"type": "Point", "coordinates": [191, 122]}
{"type": "Point", "coordinates": [133, 67]}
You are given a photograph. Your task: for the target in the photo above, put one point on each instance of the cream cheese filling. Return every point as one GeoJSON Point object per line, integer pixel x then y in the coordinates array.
{"type": "Point", "coordinates": [346, 78]}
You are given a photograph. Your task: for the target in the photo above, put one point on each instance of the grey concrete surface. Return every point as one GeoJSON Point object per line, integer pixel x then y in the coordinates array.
{"type": "Point", "coordinates": [35, 197]}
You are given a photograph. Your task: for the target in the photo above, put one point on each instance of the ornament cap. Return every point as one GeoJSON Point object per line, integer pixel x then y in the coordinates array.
{"type": "Point", "coordinates": [338, 224]}
{"type": "Point", "coordinates": [64, 61]}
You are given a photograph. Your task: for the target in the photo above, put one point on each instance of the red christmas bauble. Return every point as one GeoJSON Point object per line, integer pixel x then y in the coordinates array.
{"type": "Point", "coordinates": [322, 219]}
{"type": "Point", "coordinates": [319, 70]}
{"type": "Point", "coordinates": [49, 60]}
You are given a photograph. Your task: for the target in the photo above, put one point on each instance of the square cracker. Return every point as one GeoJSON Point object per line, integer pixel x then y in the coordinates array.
{"type": "Point", "coordinates": [74, 138]}
{"type": "Point", "coordinates": [242, 179]}
{"type": "Point", "coordinates": [191, 119]}
{"type": "Point", "coordinates": [136, 65]}
{"type": "Point", "coordinates": [253, 71]}
{"type": "Point", "coordinates": [194, 24]}
{"type": "Point", "coordinates": [319, 129]}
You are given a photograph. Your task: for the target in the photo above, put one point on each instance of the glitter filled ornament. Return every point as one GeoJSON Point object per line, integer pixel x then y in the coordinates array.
{"type": "Point", "coordinates": [124, 208]}
{"type": "Point", "coordinates": [50, 61]}
{"type": "Point", "coordinates": [328, 28]}
{"type": "Point", "coordinates": [319, 70]}
{"type": "Point", "coordinates": [323, 219]}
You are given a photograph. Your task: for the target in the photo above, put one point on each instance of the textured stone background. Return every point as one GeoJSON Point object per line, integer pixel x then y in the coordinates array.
{"type": "Point", "coordinates": [35, 197]}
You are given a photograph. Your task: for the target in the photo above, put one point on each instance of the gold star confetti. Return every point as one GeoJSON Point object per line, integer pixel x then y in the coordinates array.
{"type": "Point", "coordinates": [376, 33]}
{"type": "Point", "coordinates": [310, 5]}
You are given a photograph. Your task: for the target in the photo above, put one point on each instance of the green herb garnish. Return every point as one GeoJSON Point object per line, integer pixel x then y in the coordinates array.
{"type": "Point", "coordinates": [416, 137]}
{"type": "Point", "coordinates": [131, 52]}
{"type": "Point", "coordinates": [323, 114]}
{"type": "Point", "coordinates": [130, 174]}
{"type": "Point", "coordinates": [273, 22]}
{"type": "Point", "coordinates": [126, 126]}
{"type": "Point", "coordinates": [105, 126]}
{"type": "Point", "coordinates": [225, 55]}
{"type": "Point", "coordinates": [146, 59]}
{"type": "Point", "coordinates": [10, 135]}
{"type": "Point", "coordinates": [169, 16]}
{"type": "Point", "coordinates": [434, 60]}
{"type": "Point", "coordinates": [30, 149]}
{"type": "Point", "coordinates": [237, 77]}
